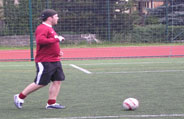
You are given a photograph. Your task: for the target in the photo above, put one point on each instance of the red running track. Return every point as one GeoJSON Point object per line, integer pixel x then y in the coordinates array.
{"type": "Point", "coordinates": [107, 52]}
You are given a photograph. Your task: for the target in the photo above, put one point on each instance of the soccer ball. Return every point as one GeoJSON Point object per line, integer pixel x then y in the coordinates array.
{"type": "Point", "coordinates": [130, 104]}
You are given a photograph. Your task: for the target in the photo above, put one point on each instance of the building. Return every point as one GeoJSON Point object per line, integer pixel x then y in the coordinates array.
{"type": "Point", "coordinates": [139, 5]}
{"type": "Point", "coordinates": [142, 5]}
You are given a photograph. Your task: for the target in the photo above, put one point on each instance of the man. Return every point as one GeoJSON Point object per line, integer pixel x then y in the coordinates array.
{"type": "Point", "coordinates": [49, 68]}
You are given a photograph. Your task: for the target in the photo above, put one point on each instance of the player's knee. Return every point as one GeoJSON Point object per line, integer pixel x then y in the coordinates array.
{"type": "Point", "coordinates": [56, 83]}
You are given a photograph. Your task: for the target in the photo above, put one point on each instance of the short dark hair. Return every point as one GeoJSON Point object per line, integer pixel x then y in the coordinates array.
{"type": "Point", "coordinates": [47, 13]}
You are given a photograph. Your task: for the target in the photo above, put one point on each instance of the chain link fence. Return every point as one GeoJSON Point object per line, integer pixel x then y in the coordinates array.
{"type": "Point", "coordinates": [122, 21]}
{"type": "Point", "coordinates": [107, 20]}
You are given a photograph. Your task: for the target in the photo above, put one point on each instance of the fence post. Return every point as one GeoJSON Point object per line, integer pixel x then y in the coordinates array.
{"type": "Point", "coordinates": [166, 17]}
{"type": "Point", "coordinates": [31, 29]}
{"type": "Point", "coordinates": [47, 4]}
{"type": "Point", "coordinates": [108, 21]}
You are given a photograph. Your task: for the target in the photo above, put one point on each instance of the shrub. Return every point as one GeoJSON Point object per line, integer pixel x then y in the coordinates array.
{"type": "Point", "coordinates": [149, 34]}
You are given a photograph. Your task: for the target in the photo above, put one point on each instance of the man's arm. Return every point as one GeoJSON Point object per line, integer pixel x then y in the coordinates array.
{"type": "Point", "coordinates": [41, 38]}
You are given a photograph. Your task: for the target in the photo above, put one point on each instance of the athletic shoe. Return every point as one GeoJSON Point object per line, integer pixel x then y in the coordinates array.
{"type": "Point", "coordinates": [18, 102]}
{"type": "Point", "coordinates": [55, 106]}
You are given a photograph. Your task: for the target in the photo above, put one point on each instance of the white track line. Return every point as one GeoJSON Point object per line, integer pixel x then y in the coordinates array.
{"type": "Point", "coordinates": [81, 69]}
{"type": "Point", "coordinates": [132, 72]}
{"type": "Point", "coordinates": [121, 116]}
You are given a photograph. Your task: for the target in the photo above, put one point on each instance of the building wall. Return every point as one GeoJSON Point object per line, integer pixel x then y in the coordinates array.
{"type": "Point", "coordinates": [15, 40]}
{"type": "Point", "coordinates": [148, 4]}
{"type": "Point", "coordinates": [157, 4]}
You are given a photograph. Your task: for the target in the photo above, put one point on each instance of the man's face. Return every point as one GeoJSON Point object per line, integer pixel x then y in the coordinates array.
{"type": "Point", "coordinates": [55, 19]}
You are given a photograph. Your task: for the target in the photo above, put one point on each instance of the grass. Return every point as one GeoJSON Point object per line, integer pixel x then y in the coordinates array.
{"type": "Point", "coordinates": [157, 83]}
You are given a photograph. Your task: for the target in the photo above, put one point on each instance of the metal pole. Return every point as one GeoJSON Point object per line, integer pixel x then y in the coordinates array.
{"type": "Point", "coordinates": [47, 4]}
{"type": "Point", "coordinates": [166, 18]}
{"type": "Point", "coordinates": [108, 21]}
{"type": "Point", "coordinates": [31, 29]}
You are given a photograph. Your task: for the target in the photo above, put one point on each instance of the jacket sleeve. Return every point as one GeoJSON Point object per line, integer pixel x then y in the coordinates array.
{"type": "Point", "coordinates": [42, 38]}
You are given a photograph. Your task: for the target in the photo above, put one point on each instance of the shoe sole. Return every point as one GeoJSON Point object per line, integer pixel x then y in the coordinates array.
{"type": "Point", "coordinates": [55, 108]}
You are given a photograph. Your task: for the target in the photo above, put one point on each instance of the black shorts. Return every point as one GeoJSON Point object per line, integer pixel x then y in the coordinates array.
{"type": "Point", "coordinates": [48, 71]}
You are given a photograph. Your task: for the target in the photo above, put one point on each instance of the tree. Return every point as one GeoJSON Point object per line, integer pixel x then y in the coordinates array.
{"type": "Point", "coordinates": [123, 16]}
{"type": "Point", "coordinates": [174, 2]}
{"type": "Point", "coordinates": [94, 16]}
{"type": "Point", "coordinates": [76, 16]}
{"type": "Point", "coordinates": [84, 16]}
{"type": "Point", "coordinates": [17, 16]}
{"type": "Point", "coordinates": [175, 10]}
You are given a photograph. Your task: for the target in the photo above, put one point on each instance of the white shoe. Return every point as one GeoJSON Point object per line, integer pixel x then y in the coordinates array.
{"type": "Point", "coordinates": [18, 102]}
{"type": "Point", "coordinates": [55, 106]}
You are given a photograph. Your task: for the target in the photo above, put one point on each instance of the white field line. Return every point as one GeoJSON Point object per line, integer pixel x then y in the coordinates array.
{"type": "Point", "coordinates": [122, 116]}
{"type": "Point", "coordinates": [21, 65]}
{"type": "Point", "coordinates": [121, 72]}
{"type": "Point", "coordinates": [133, 63]}
{"type": "Point", "coordinates": [16, 65]}
{"type": "Point", "coordinates": [132, 72]}
{"type": "Point", "coordinates": [81, 69]}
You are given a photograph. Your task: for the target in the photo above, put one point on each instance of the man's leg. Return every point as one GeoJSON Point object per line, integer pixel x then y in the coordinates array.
{"type": "Point", "coordinates": [31, 88]}
{"type": "Point", "coordinates": [54, 89]}
{"type": "Point", "coordinates": [19, 98]}
{"type": "Point", "coordinates": [53, 93]}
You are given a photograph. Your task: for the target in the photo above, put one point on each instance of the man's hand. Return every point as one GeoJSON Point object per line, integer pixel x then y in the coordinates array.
{"type": "Point", "coordinates": [61, 53]}
{"type": "Point", "coordinates": [61, 38]}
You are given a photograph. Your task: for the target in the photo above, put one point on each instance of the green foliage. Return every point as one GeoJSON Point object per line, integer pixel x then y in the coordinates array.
{"type": "Point", "coordinates": [37, 7]}
{"type": "Point", "coordinates": [156, 33]}
{"type": "Point", "coordinates": [89, 17]}
{"type": "Point", "coordinates": [176, 33]}
{"type": "Point", "coordinates": [1, 13]}
{"type": "Point", "coordinates": [150, 20]}
{"type": "Point", "coordinates": [176, 1]}
{"type": "Point", "coordinates": [122, 23]}
{"type": "Point", "coordinates": [84, 16]}
{"type": "Point", "coordinates": [17, 16]}
{"type": "Point", "coordinates": [171, 13]}
{"type": "Point", "coordinates": [117, 37]}
{"type": "Point", "coordinates": [121, 37]}
{"type": "Point", "coordinates": [13, 18]}
{"type": "Point", "coordinates": [149, 34]}
{"type": "Point", "coordinates": [77, 16]}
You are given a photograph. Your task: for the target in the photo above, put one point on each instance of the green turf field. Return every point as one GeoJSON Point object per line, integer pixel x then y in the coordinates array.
{"type": "Point", "coordinates": [95, 89]}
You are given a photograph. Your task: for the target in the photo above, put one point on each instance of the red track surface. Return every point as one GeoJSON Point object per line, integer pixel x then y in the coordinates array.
{"type": "Point", "coordinates": [110, 52]}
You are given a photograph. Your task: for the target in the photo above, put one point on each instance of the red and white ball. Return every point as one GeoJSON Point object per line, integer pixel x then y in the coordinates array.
{"type": "Point", "coordinates": [130, 104]}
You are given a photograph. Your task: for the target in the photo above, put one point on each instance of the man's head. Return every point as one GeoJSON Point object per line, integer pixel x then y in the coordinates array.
{"type": "Point", "coordinates": [50, 16]}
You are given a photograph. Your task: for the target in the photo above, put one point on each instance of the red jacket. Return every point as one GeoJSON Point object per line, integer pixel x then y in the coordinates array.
{"type": "Point", "coordinates": [47, 47]}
